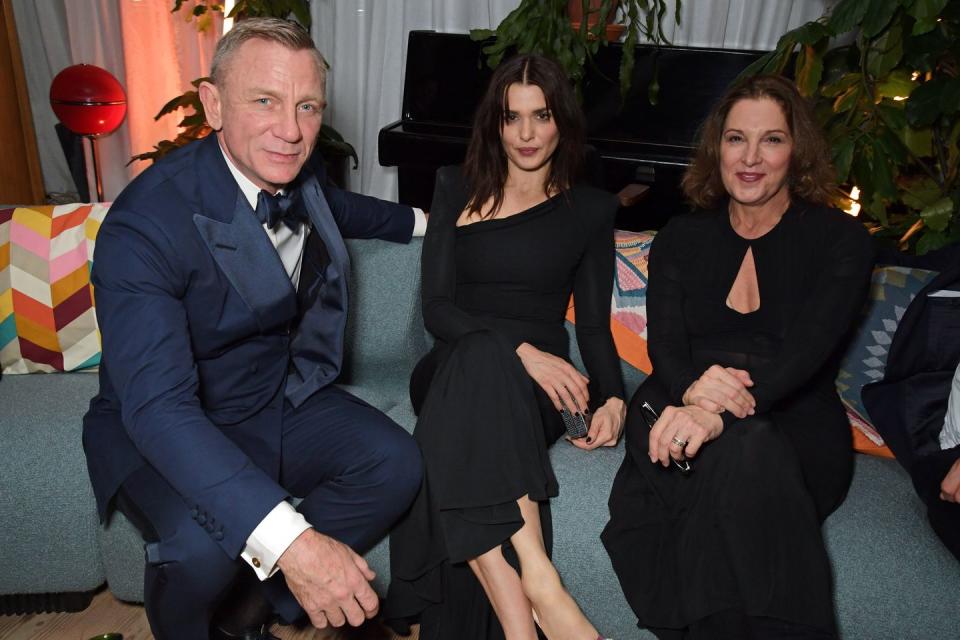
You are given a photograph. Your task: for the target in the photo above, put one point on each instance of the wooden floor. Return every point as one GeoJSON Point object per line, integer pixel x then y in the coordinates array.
{"type": "Point", "coordinates": [106, 614]}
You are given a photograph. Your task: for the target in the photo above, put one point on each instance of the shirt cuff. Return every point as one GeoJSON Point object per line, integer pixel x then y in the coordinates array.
{"type": "Point", "coordinates": [419, 223]}
{"type": "Point", "coordinates": [270, 539]}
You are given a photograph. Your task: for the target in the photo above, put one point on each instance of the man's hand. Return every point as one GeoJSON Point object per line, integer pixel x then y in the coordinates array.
{"type": "Point", "coordinates": [329, 580]}
{"type": "Point", "coordinates": [950, 487]}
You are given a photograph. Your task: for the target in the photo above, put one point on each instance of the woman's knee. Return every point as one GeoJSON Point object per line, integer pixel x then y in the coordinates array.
{"type": "Point", "coordinates": [757, 440]}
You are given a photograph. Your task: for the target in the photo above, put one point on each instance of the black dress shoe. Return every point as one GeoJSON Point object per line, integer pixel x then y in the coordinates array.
{"type": "Point", "coordinates": [244, 614]}
{"type": "Point", "coordinates": [259, 632]}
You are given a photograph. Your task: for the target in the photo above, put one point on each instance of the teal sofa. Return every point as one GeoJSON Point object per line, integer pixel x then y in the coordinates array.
{"type": "Point", "coordinates": [893, 578]}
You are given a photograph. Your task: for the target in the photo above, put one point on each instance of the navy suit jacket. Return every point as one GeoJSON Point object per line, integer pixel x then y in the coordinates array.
{"type": "Point", "coordinates": [199, 322]}
{"type": "Point", "coordinates": [909, 404]}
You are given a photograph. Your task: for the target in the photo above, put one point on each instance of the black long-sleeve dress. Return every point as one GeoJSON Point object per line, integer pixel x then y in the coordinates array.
{"type": "Point", "coordinates": [483, 424]}
{"type": "Point", "coordinates": [742, 531]}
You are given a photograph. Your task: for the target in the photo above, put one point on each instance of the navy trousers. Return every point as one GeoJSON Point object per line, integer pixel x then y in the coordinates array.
{"type": "Point", "coordinates": [356, 470]}
{"type": "Point", "coordinates": [928, 473]}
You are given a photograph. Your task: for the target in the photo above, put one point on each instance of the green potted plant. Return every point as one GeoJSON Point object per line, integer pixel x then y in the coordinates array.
{"type": "Point", "coordinates": [885, 78]}
{"type": "Point", "coordinates": [330, 144]}
{"type": "Point", "coordinates": [544, 27]}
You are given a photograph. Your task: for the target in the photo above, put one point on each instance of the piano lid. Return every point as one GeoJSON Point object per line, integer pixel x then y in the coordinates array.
{"type": "Point", "coordinates": [446, 75]}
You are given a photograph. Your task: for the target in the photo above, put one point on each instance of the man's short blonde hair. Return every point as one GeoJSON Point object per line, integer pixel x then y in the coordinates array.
{"type": "Point", "coordinates": [285, 33]}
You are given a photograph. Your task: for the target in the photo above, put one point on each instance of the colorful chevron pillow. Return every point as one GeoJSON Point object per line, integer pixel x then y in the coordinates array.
{"type": "Point", "coordinates": [47, 319]}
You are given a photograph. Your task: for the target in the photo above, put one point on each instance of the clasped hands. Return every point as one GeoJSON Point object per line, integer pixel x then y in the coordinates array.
{"type": "Point", "coordinates": [682, 431]}
{"type": "Point", "coordinates": [566, 386]}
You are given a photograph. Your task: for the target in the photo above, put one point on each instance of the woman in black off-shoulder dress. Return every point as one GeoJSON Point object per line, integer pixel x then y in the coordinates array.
{"type": "Point", "coordinates": [510, 237]}
{"type": "Point", "coordinates": [748, 302]}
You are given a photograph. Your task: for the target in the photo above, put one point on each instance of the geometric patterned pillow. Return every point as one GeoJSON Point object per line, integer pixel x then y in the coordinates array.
{"type": "Point", "coordinates": [47, 319]}
{"type": "Point", "coordinates": [628, 305]}
{"type": "Point", "coordinates": [628, 311]}
{"type": "Point", "coordinates": [891, 291]}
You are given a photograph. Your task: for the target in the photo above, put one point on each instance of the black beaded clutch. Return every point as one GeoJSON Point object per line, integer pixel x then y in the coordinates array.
{"type": "Point", "coordinates": [577, 424]}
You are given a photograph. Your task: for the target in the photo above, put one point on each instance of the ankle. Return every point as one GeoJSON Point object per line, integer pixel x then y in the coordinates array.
{"type": "Point", "coordinates": [541, 583]}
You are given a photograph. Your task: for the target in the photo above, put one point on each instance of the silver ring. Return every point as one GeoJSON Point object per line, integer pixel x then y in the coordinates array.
{"type": "Point", "coordinates": [677, 441]}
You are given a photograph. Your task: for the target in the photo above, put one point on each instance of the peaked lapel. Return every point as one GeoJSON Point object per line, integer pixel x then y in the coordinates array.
{"type": "Point", "coordinates": [317, 347]}
{"type": "Point", "coordinates": [324, 223]}
{"type": "Point", "coordinates": [238, 244]}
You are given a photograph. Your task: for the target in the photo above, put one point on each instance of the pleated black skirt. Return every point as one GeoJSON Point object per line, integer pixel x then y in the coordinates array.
{"type": "Point", "coordinates": [484, 427]}
{"type": "Point", "coordinates": [741, 533]}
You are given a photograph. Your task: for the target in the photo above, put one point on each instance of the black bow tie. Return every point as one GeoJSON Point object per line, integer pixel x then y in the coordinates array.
{"type": "Point", "coordinates": [286, 208]}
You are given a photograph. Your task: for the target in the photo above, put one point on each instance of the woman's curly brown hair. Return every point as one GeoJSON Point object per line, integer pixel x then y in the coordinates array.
{"type": "Point", "coordinates": [811, 176]}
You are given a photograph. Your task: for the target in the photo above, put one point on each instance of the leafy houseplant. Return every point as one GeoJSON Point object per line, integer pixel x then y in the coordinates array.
{"type": "Point", "coordinates": [543, 26]}
{"type": "Point", "coordinates": [890, 104]}
{"type": "Point", "coordinates": [331, 145]}
{"type": "Point", "coordinates": [254, 9]}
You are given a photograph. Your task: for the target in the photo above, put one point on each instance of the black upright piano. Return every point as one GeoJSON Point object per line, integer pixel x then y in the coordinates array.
{"type": "Point", "coordinates": [635, 142]}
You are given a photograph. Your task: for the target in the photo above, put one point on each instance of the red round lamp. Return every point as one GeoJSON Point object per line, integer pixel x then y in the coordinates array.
{"type": "Point", "coordinates": [90, 102]}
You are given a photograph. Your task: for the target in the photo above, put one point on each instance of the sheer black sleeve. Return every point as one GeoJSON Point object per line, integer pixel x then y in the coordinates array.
{"type": "Point", "coordinates": [438, 269]}
{"type": "Point", "coordinates": [592, 289]}
{"type": "Point", "coordinates": [667, 336]}
{"type": "Point", "coordinates": [838, 295]}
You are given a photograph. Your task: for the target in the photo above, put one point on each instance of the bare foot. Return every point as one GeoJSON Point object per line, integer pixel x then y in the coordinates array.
{"type": "Point", "coordinates": [555, 610]}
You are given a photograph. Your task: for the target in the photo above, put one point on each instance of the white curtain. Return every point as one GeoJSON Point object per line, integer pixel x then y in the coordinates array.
{"type": "Point", "coordinates": [95, 38]}
{"type": "Point", "coordinates": [740, 24]}
{"type": "Point", "coordinates": [365, 42]}
{"type": "Point", "coordinates": [45, 49]}
{"type": "Point", "coordinates": [151, 51]}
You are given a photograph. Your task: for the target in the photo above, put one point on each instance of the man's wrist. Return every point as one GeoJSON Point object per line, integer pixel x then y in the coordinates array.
{"type": "Point", "coordinates": [419, 222]}
{"type": "Point", "coordinates": [289, 554]}
{"type": "Point", "coordinates": [272, 537]}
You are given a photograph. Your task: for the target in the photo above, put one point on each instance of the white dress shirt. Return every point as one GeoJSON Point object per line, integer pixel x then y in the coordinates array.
{"type": "Point", "coordinates": [950, 434]}
{"type": "Point", "coordinates": [283, 524]}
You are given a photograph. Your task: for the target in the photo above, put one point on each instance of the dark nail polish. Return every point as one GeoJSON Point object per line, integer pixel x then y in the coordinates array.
{"type": "Point", "coordinates": [589, 439]}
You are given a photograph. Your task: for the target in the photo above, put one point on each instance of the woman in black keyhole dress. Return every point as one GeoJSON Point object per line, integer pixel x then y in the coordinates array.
{"type": "Point", "coordinates": [748, 301]}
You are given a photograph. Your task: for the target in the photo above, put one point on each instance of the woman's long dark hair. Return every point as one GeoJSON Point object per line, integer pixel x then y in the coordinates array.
{"type": "Point", "coordinates": [485, 167]}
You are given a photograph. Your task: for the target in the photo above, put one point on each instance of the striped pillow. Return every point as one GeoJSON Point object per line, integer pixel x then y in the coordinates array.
{"type": "Point", "coordinates": [47, 319]}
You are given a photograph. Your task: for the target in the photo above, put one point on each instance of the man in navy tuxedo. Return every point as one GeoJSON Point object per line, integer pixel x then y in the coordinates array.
{"type": "Point", "coordinates": [221, 287]}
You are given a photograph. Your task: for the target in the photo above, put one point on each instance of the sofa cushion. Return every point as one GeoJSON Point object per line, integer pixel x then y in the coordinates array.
{"type": "Point", "coordinates": [47, 319]}
{"type": "Point", "coordinates": [385, 336]}
{"type": "Point", "coordinates": [628, 308]}
{"type": "Point", "coordinates": [48, 522]}
{"type": "Point", "coordinates": [891, 291]}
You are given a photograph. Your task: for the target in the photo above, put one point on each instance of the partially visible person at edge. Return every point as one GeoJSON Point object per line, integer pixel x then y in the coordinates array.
{"type": "Point", "coordinates": [916, 405]}
{"type": "Point", "coordinates": [511, 235]}
{"type": "Point", "coordinates": [748, 300]}
{"type": "Point", "coordinates": [221, 282]}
